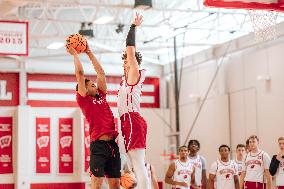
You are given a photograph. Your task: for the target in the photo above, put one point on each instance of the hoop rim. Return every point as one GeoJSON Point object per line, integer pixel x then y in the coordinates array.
{"type": "Point", "coordinates": [244, 5]}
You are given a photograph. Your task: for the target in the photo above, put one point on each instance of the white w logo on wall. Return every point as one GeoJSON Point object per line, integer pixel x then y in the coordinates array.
{"type": "Point", "coordinates": [65, 141]}
{"type": "Point", "coordinates": [43, 141]}
{"type": "Point", "coordinates": [5, 141]}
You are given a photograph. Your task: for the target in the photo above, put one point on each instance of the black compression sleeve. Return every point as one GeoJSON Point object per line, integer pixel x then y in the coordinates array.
{"type": "Point", "coordinates": [130, 40]}
{"type": "Point", "coordinates": [274, 164]}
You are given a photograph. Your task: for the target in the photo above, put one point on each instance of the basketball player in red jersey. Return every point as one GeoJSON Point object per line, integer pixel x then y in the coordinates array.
{"type": "Point", "coordinates": [91, 98]}
{"type": "Point", "coordinates": [133, 126]}
{"type": "Point", "coordinates": [256, 167]}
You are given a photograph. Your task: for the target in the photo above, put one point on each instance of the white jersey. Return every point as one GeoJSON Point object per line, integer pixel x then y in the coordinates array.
{"type": "Point", "coordinates": [129, 96]}
{"type": "Point", "coordinates": [280, 174]}
{"type": "Point", "coordinates": [239, 166]}
{"type": "Point", "coordinates": [254, 166]}
{"type": "Point", "coordinates": [149, 173]}
{"type": "Point", "coordinates": [199, 165]}
{"type": "Point", "coordinates": [224, 174]}
{"type": "Point", "coordinates": [183, 173]}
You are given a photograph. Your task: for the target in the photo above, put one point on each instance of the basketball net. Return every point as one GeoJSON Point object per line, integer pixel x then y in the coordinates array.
{"type": "Point", "coordinates": [264, 24]}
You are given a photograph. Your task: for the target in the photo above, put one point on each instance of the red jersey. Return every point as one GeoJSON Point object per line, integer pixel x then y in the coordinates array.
{"type": "Point", "coordinates": [98, 114]}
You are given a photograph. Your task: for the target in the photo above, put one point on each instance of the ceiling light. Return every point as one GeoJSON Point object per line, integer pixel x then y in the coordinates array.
{"type": "Point", "coordinates": [104, 20]}
{"type": "Point", "coordinates": [55, 45]}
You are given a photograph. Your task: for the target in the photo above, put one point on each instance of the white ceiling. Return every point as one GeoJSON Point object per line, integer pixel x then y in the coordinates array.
{"type": "Point", "coordinates": [199, 27]}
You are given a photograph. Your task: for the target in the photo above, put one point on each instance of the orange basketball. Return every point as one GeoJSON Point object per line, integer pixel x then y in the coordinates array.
{"type": "Point", "coordinates": [127, 181]}
{"type": "Point", "coordinates": [77, 41]}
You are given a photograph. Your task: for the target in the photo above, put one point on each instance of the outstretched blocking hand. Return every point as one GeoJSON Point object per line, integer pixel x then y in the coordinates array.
{"type": "Point", "coordinates": [138, 19]}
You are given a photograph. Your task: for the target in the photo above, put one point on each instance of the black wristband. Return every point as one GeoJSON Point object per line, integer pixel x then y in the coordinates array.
{"type": "Point", "coordinates": [130, 40]}
{"type": "Point", "coordinates": [132, 26]}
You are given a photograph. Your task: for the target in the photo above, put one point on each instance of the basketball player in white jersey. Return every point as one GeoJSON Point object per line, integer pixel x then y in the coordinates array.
{"type": "Point", "coordinates": [133, 125]}
{"type": "Point", "coordinates": [247, 146]}
{"type": "Point", "coordinates": [256, 167]}
{"type": "Point", "coordinates": [224, 171]}
{"type": "Point", "coordinates": [152, 176]}
{"type": "Point", "coordinates": [240, 155]}
{"type": "Point", "coordinates": [199, 163]}
{"type": "Point", "coordinates": [276, 167]}
{"type": "Point", "coordinates": [181, 173]}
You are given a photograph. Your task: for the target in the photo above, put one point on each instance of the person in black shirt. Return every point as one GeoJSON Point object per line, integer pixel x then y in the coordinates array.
{"type": "Point", "coordinates": [276, 167]}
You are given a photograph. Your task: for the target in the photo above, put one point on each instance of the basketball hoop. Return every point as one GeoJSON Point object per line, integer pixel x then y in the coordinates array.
{"type": "Point", "coordinates": [263, 14]}
{"type": "Point", "coordinates": [264, 24]}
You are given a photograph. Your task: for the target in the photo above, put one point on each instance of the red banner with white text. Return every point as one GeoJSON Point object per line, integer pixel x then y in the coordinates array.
{"type": "Point", "coordinates": [86, 145]}
{"type": "Point", "coordinates": [42, 145]}
{"type": "Point", "coordinates": [65, 145]}
{"type": "Point", "coordinates": [6, 150]}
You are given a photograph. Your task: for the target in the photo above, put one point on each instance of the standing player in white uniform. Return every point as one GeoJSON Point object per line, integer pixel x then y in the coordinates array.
{"type": "Point", "coordinates": [255, 168]}
{"type": "Point", "coordinates": [133, 126]}
{"type": "Point", "coordinates": [181, 173]}
{"type": "Point", "coordinates": [224, 171]}
{"type": "Point", "coordinates": [276, 167]}
{"type": "Point", "coordinates": [240, 155]}
{"type": "Point", "coordinates": [199, 163]}
{"type": "Point", "coordinates": [152, 176]}
{"type": "Point", "coordinates": [247, 146]}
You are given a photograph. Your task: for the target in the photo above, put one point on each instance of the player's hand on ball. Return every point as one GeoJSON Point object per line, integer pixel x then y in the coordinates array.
{"type": "Point", "coordinates": [72, 51]}
{"type": "Point", "coordinates": [88, 50]}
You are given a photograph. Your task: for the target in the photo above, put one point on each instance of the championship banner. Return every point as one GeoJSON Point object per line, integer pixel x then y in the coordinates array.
{"type": "Point", "coordinates": [42, 145]}
{"type": "Point", "coordinates": [65, 145]}
{"type": "Point", "coordinates": [6, 150]}
{"type": "Point", "coordinates": [14, 38]}
{"type": "Point", "coordinates": [86, 145]}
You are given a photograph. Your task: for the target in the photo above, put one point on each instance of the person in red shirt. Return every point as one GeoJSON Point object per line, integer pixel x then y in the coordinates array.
{"type": "Point", "coordinates": [91, 98]}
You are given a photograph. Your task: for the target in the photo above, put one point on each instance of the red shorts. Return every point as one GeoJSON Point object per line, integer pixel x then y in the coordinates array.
{"type": "Point", "coordinates": [254, 185]}
{"type": "Point", "coordinates": [134, 131]}
{"type": "Point", "coordinates": [280, 187]}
